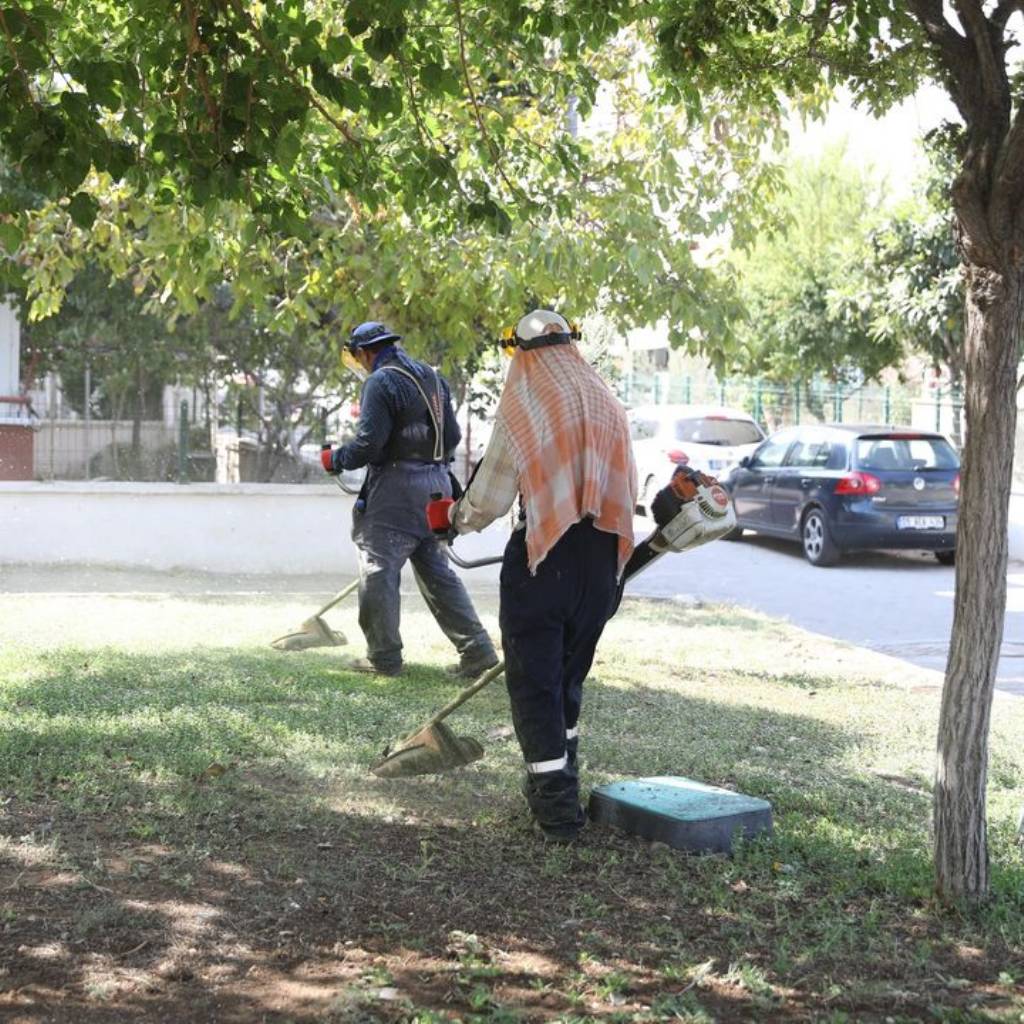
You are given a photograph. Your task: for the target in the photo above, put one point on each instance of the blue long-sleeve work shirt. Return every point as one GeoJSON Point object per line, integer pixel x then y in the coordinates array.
{"type": "Point", "coordinates": [384, 397]}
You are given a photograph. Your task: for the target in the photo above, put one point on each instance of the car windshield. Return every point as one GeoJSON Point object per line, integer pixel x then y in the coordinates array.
{"type": "Point", "coordinates": [905, 453]}
{"type": "Point", "coordinates": [717, 430]}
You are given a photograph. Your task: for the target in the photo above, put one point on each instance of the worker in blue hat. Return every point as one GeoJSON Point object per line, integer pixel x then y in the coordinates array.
{"type": "Point", "coordinates": [406, 435]}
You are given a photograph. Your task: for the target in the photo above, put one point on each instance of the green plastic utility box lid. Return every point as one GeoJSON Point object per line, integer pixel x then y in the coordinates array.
{"type": "Point", "coordinates": [682, 813]}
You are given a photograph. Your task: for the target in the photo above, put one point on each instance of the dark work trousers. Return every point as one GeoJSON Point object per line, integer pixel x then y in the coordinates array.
{"type": "Point", "coordinates": [392, 531]}
{"type": "Point", "coordinates": [550, 626]}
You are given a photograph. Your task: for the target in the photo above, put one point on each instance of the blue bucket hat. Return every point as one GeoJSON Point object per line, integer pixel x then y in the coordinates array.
{"type": "Point", "coordinates": [371, 333]}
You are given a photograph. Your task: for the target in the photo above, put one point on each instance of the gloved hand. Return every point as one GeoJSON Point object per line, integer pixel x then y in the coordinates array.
{"type": "Point", "coordinates": [327, 458]}
{"type": "Point", "coordinates": [438, 517]}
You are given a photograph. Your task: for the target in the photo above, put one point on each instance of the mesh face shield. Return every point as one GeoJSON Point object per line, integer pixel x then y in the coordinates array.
{"type": "Point", "coordinates": [350, 362]}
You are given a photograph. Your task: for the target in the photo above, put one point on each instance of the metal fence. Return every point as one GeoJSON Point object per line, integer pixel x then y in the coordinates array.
{"type": "Point", "coordinates": [782, 405]}
{"type": "Point", "coordinates": [82, 449]}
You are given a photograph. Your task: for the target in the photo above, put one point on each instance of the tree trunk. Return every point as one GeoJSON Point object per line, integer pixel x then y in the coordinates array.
{"type": "Point", "coordinates": [995, 316]}
{"type": "Point", "coordinates": [140, 410]}
{"type": "Point", "coordinates": [117, 407]}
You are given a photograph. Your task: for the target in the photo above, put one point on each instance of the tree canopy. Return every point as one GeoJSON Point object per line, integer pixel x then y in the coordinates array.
{"type": "Point", "coordinates": [914, 272]}
{"type": "Point", "coordinates": [411, 161]}
{"type": "Point", "coordinates": [807, 309]}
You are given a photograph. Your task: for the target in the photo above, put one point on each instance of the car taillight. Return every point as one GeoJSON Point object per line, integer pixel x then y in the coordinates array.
{"type": "Point", "coordinates": [956, 485]}
{"type": "Point", "coordinates": [858, 484]}
{"type": "Point", "coordinates": [679, 457]}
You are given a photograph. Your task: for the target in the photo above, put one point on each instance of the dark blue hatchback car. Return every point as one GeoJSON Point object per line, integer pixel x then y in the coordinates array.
{"type": "Point", "coordinates": [839, 488]}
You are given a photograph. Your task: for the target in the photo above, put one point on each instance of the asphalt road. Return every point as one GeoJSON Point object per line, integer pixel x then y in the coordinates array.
{"type": "Point", "coordinates": [899, 603]}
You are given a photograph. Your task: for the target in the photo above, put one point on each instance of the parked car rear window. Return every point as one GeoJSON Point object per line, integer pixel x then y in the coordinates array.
{"type": "Point", "coordinates": [908, 453]}
{"type": "Point", "coordinates": [708, 430]}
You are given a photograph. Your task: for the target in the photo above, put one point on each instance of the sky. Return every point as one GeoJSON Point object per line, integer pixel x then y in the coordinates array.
{"type": "Point", "coordinates": [890, 144]}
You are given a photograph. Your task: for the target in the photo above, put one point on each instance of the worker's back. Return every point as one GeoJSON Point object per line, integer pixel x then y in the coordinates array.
{"type": "Point", "coordinates": [569, 438]}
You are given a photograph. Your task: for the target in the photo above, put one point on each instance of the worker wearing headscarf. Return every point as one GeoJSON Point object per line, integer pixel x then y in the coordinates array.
{"type": "Point", "coordinates": [561, 445]}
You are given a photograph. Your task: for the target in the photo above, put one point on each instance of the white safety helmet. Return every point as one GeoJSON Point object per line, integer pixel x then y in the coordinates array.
{"type": "Point", "coordinates": [539, 322]}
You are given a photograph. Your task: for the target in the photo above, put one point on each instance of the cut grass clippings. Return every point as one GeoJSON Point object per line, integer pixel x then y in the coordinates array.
{"type": "Point", "coordinates": [189, 831]}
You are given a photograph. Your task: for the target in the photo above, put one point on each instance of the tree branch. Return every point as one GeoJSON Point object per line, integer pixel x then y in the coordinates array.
{"type": "Point", "coordinates": [1004, 10]}
{"type": "Point", "coordinates": [987, 43]}
{"type": "Point", "coordinates": [491, 145]}
{"type": "Point", "coordinates": [978, 83]}
{"type": "Point", "coordinates": [951, 47]}
{"type": "Point", "coordinates": [425, 139]}
{"type": "Point", "coordinates": [1008, 178]}
{"type": "Point", "coordinates": [291, 72]}
{"type": "Point", "coordinates": [197, 48]}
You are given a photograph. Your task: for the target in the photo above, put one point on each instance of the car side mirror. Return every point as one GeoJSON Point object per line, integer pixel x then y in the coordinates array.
{"type": "Point", "coordinates": [745, 462]}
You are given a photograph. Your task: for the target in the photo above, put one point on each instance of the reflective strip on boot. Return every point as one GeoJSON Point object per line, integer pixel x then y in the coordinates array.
{"type": "Point", "coordinates": [542, 767]}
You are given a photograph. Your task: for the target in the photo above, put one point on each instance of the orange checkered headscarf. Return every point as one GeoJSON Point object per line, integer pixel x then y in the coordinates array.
{"type": "Point", "coordinates": [569, 439]}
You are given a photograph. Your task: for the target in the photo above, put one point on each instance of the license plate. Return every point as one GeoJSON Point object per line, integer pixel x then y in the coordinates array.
{"type": "Point", "coordinates": [920, 522]}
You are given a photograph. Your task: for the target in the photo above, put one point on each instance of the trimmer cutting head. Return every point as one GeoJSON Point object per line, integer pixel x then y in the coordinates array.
{"type": "Point", "coordinates": [314, 632]}
{"type": "Point", "coordinates": [428, 751]}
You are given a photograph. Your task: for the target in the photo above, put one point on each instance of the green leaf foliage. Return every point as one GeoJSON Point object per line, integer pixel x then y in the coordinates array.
{"type": "Point", "coordinates": [808, 310]}
{"type": "Point", "coordinates": [83, 209]}
{"type": "Point", "coordinates": [914, 272]}
{"type": "Point", "coordinates": [615, 217]}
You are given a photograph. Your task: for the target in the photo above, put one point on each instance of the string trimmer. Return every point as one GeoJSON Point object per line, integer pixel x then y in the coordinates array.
{"type": "Point", "coordinates": [314, 632]}
{"type": "Point", "coordinates": [692, 510]}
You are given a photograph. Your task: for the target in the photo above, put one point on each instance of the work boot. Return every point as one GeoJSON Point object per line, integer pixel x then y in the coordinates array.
{"type": "Point", "coordinates": [366, 666]}
{"type": "Point", "coordinates": [474, 664]}
{"type": "Point", "coordinates": [562, 835]}
{"type": "Point", "coordinates": [554, 800]}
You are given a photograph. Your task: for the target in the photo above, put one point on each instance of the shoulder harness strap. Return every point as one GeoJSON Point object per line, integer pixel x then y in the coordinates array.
{"type": "Point", "coordinates": [433, 408]}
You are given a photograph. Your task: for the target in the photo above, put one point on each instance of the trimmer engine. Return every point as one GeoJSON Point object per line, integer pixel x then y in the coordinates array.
{"type": "Point", "coordinates": [692, 510]}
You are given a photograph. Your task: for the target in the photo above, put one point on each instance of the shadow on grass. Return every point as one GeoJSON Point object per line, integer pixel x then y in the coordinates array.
{"type": "Point", "coordinates": [288, 884]}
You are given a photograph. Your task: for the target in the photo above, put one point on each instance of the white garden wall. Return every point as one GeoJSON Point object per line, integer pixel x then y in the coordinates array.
{"type": "Point", "coordinates": [221, 528]}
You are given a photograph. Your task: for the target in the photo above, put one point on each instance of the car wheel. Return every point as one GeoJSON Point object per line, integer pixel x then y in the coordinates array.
{"type": "Point", "coordinates": [816, 540]}
{"type": "Point", "coordinates": [945, 557]}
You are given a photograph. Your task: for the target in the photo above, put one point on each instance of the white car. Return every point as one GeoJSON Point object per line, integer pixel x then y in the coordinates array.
{"type": "Point", "coordinates": [712, 439]}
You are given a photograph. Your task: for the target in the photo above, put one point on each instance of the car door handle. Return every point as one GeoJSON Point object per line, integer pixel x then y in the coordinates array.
{"type": "Point", "coordinates": [805, 481]}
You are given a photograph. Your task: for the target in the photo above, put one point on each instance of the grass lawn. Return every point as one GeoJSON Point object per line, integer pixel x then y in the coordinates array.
{"type": "Point", "coordinates": [188, 831]}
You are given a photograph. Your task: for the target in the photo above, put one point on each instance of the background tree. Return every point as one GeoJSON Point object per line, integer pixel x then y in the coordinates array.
{"type": "Point", "coordinates": [287, 384]}
{"type": "Point", "coordinates": [802, 319]}
{"type": "Point", "coordinates": [112, 356]}
{"type": "Point", "coordinates": [914, 276]}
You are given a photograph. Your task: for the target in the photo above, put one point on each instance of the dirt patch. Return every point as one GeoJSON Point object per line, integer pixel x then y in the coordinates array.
{"type": "Point", "coordinates": [251, 917]}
